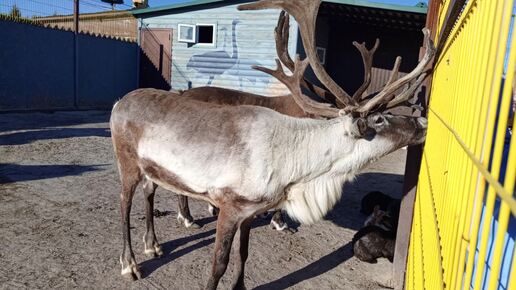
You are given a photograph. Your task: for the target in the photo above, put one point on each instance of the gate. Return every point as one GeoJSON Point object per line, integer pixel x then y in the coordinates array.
{"type": "Point", "coordinates": [155, 58]}
{"type": "Point", "coordinates": [464, 226]}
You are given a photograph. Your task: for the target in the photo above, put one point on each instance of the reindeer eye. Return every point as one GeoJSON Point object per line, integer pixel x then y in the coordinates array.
{"type": "Point", "coordinates": [379, 120]}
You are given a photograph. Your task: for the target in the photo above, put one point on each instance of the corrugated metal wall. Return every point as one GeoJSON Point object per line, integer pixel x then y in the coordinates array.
{"type": "Point", "coordinates": [254, 38]}
{"type": "Point", "coordinates": [464, 225]}
{"type": "Point", "coordinates": [37, 68]}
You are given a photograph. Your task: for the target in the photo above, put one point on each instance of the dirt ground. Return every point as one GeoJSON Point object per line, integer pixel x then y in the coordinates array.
{"type": "Point", "coordinates": [59, 220]}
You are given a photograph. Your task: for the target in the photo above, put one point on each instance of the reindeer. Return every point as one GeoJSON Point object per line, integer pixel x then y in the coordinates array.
{"type": "Point", "coordinates": [248, 159]}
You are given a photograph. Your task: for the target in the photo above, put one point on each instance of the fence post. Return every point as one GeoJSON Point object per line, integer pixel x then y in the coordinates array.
{"type": "Point", "coordinates": [139, 24]}
{"type": "Point", "coordinates": [414, 154]}
{"type": "Point", "coordinates": [412, 165]}
{"type": "Point", "coordinates": [76, 53]}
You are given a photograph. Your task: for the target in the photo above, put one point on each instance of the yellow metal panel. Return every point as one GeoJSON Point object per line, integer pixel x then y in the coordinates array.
{"type": "Point", "coordinates": [454, 176]}
{"type": "Point", "coordinates": [504, 214]}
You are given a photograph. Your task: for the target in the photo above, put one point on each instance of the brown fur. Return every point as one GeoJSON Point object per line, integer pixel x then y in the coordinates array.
{"type": "Point", "coordinates": [156, 172]}
{"type": "Point", "coordinates": [282, 104]}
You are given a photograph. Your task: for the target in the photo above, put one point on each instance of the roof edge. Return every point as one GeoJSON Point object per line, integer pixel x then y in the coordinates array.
{"type": "Point", "coordinates": [372, 4]}
{"type": "Point", "coordinates": [172, 6]}
{"type": "Point", "coordinates": [361, 3]}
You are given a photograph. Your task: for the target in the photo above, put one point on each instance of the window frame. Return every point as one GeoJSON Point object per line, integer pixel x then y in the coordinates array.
{"type": "Point", "coordinates": [194, 34]}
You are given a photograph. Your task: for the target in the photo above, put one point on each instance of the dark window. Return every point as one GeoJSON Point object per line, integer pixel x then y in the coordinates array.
{"type": "Point", "coordinates": [205, 34]}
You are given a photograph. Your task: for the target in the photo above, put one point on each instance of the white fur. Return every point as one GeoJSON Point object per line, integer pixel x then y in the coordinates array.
{"type": "Point", "coordinates": [131, 268]}
{"type": "Point", "coordinates": [310, 202]}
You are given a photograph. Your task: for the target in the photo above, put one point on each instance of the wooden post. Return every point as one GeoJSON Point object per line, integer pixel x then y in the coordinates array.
{"type": "Point", "coordinates": [76, 53]}
{"type": "Point", "coordinates": [76, 16]}
{"type": "Point", "coordinates": [412, 165]}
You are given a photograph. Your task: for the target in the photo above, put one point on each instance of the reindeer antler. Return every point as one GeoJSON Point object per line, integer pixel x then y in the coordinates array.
{"type": "Point", "coordinates": [367, 57]}
{"type": "Point", "coordinates": [281, 34]}
{"type": "Point", "coordinates": [386, 95]}
{"type": "Point", "coordinates": [305, 13]}
{"type": "Point", "coordinates": [395, 71]}
{"type": "Point", "coordinates": [293, 83]}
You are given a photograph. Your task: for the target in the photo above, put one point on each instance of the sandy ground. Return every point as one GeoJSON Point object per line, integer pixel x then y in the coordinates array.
{"type": "Point", "coordinates": [59, 220]}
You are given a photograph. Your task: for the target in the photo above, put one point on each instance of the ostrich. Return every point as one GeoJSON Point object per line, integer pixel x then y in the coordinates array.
{"type": "Point", "coordinates": [243, 69]}
{"type": "Point", "coordinates": [225, 61]}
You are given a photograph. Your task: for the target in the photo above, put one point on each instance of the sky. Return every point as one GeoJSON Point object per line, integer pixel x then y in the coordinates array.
{"type": "Point", "coordinates": [30, 8]}
{"type": "Point", "coordinates": [400, 2]}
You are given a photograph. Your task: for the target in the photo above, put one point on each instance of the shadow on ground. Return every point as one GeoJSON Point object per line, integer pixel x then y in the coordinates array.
{"type": "Point", "coordinates": [149, 266]}
{"type": "Point", "coordinates": [45, 120]}
{"type": "Point", "coordinates": [319, 267]}
{"type": "Point", "coordinates": [20, 138]}
{"type": "Point", "coordinates": [10, 173]}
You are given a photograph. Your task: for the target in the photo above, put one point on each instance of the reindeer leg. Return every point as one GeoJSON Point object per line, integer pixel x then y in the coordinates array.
{"type": "Point", "coordinates": [130, 179]}
{"type": "Point", "coordinates": [243, 248]}
{"type": "Point", "coordinates": [227, 225]}
{"type": "Point", "coordinates": [184, 215]}
{"type": "Point", "coordinates": [152, 246]}
{"type": "Point", "coordinates": [210, 81]}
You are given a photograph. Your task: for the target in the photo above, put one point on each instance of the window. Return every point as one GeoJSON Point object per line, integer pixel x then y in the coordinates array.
{"type": "Point", "coordinates": [199, 34]}
{"type": "Point", "coordinates": [206, 34]}
{"type": "Point", "coordinates": [186, 33]}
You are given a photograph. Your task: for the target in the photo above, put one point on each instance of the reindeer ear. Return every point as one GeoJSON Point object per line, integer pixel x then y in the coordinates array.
{"type": "Point", "coordinates": [358, 127]}
{"type": "Point", "coordinates": [362, 126]}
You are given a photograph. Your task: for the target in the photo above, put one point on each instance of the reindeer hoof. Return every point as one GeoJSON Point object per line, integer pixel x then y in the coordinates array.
{"type": "Point", "coordinates": [193, 225]}
{"type": "Point", "coordinates": [130, 270]}
{"type": "Point", "coordinates": [189, 224]}
{"type": "Point", "coordinates": [155, 251]}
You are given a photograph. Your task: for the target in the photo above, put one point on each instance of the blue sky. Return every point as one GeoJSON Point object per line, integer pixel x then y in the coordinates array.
{"type": "Point", "coordinates": [31, 8]}
{"type": "Point", "coordinates": [401, 2]}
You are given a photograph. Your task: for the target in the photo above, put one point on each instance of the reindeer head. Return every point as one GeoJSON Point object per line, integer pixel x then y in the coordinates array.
{"type": "Point", "coordinates": [399, 130]}
{"type": "Point", "coordinates": [369, 117]}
